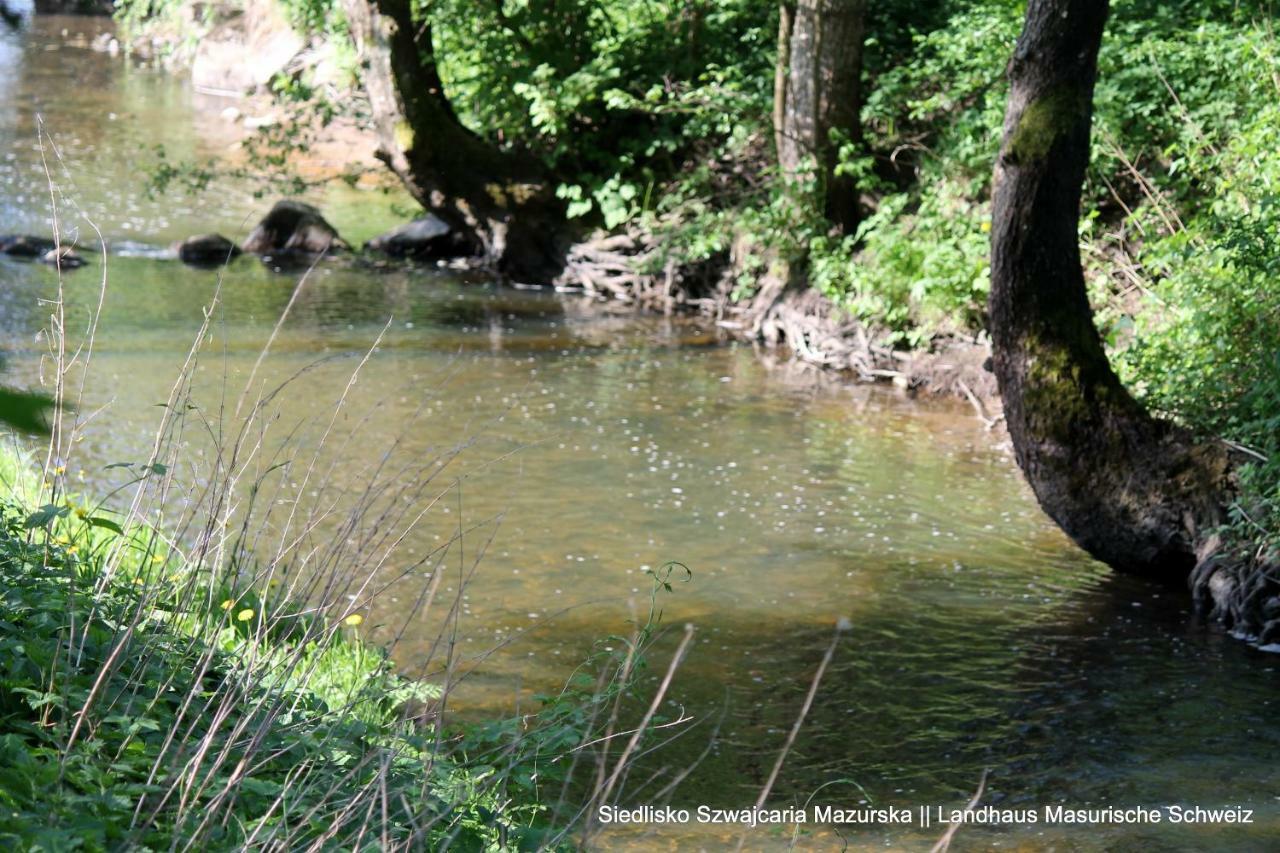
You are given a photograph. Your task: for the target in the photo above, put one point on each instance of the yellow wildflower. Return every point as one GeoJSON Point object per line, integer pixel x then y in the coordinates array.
{"type": "Point", "coordinates": [244, 615]}
{"type": "Point", "coordinates": [226, 605]}
{"type": "Point", "coordinates": [353, 620]}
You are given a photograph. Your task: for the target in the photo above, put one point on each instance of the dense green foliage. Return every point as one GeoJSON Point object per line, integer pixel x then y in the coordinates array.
{"type": "Point", "coordinates": [616, 97]}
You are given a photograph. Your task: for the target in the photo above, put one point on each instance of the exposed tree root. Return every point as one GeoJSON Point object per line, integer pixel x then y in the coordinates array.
{"type": "Point", "coordinates": [629, 268]}
{"type": "Point", "coordinates": [1240, 590]}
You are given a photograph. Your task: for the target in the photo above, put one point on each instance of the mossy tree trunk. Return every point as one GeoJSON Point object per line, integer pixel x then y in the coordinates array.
{"type": "Point", "coordinates": [1134, 491]}
{"type": "Point", "coordinates": [503, 200]}
{"type": "Point", "coordinates": [817, 89]}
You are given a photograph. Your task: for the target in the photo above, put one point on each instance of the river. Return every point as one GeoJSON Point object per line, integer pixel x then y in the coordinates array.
{"type": "Point", "coordinates": [596, 447]}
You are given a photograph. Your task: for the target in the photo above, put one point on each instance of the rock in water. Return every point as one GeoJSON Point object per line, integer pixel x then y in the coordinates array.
{"type": "Point", "coordinates": [426, 237]}
{"type": "Point", "coordinates": [293, 227]}
{"type": "Point", "coordinates": [62, 258]}
{"type": "Point", "coordinates": [10, 17]}
{"type": "Point", "coordinates": [207, 249]}
{"type": "Point", "coordinates": [40, 249]}
{"type": "Point", "coordinates": [22, 246]}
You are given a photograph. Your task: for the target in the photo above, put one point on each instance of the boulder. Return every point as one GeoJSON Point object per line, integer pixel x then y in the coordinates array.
{"type": "Point", "coordinates": [24, 246]}
{"type": "Point", "coordinates": [293, 227]}
{"type": "Point", "coordinates": [426, 237]}
{"type": "Point", "coordinates": [206, 250]}
{"type": "Point", "coordinates": [62, 258]}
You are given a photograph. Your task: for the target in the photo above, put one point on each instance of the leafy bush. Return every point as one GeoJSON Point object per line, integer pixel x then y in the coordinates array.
{"type": "Point", "coordinates": [616, 97]}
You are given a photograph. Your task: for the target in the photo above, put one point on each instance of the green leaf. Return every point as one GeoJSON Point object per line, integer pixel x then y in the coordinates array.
{"type": "Point", "coordinates": [99, 521]}
{"type": "Point", "coordinates": [46, 514]}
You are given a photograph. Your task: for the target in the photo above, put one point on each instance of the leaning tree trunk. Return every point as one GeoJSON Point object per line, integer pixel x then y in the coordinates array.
{"type": "Point", "coordinates": [817, 89]}
{"type": "Point", "coordinates": [503, 200]}
{"type": "Point", "coordinates": [1136, 492]}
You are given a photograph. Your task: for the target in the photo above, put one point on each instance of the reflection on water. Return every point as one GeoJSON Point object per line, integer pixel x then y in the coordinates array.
{"type": "Point", "coordinates": [981, 638]}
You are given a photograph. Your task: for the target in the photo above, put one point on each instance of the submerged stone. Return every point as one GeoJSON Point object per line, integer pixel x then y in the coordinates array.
{"type": "Point", "coordinates": [62, 258]}
{"type": "Point", "coordinates": [428, 236]}
{"type": "Point", "coordinates": [207, 249]}
{"type": "Point", "coordinates": [39, 249]}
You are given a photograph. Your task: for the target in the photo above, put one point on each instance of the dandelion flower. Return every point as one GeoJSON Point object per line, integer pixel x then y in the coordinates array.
{"type": "Point", "coordinates": [226, 605]}
{"type": "Point", "coordinates": [244, 615]}
{"type": "Point", "coordinates": [353, 620]}
{"type": "Point", "coordinates": [60, 470]}
{"type": "Point", "coordinates": [157, 558]}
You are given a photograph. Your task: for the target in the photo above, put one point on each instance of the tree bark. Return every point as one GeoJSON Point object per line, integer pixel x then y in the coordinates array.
{"type": "Point", "coordinates": [781, 68]}
{"type": "Point", "coordinates": [502, 199]}
{"type": "Point", "coordinates": [820, 47]}
{"type": "Point", "coordinates": [1134, 491]}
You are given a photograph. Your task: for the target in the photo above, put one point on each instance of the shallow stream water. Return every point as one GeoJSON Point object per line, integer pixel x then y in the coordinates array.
{"type": "Point", "coordinates": [600, 446]}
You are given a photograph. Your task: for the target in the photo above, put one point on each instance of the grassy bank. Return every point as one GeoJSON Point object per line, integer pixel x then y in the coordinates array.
{"type": "Point", "coordinates": [146, 704]}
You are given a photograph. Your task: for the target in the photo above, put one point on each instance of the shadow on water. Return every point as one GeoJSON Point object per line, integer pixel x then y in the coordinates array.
{"type": "Point", "coordinates": [1104, 692]}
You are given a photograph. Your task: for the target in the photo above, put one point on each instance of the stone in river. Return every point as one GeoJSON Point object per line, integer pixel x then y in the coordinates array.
{"type": "Point", "coordinates": [293, 227]}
